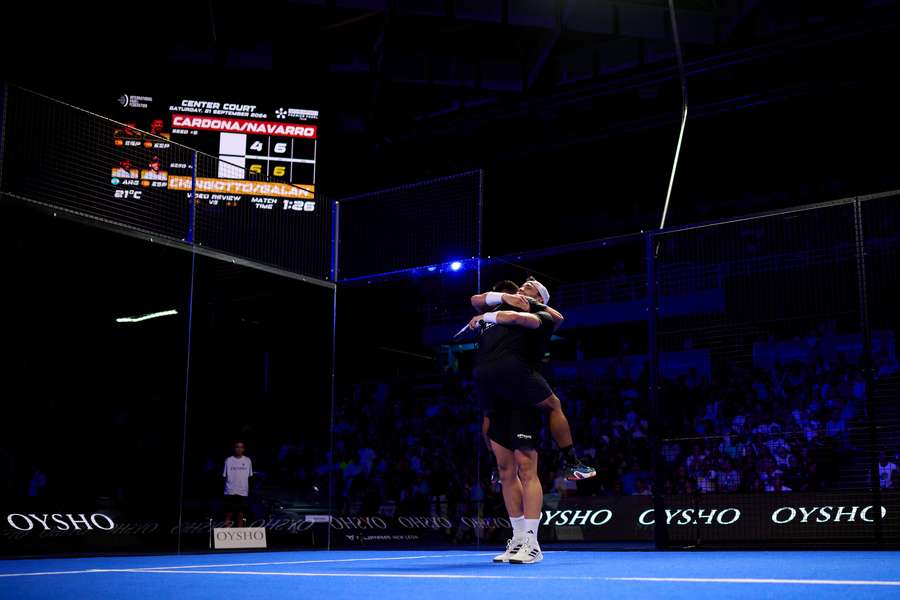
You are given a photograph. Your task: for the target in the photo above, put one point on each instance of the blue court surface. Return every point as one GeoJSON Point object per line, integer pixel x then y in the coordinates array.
{"type": "Point", "coordinates": [460, 574]}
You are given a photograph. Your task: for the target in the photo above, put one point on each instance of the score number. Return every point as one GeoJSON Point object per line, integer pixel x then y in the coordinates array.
{"type": "Point", "coordinates": [277, 171]}
{"type": "Point", "coordinates": [279, 148]}
{"type": "Point", "coordinates": [276, 168]}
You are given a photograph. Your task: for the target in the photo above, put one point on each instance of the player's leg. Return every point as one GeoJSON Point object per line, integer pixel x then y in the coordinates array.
{"type": "Point", "coordinates": [511, 486]}
{"type": "Point", "coordinates": [526, 460]}
{"type": "Point", "coordinates": [526, 425]}
{"type": "Point", "coordinates": [485, 427]}
{"type": "Point", "coordinates": [533, 497]}
{"type": "Point", "coordinates": [559, 424]}
{"type": "Point", "coordinates": [487, 399]}
{"type": "Point", "coordinates": [539, 394]}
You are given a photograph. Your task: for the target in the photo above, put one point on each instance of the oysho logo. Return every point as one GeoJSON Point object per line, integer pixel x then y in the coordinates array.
{"type": "Point", "coordinates": [59, 522]}
{"type": "Point", "coordinates": [241, 535]}
{"type": "Point", "coordinates": [690, 516]}
{"type": "Point", "coordinates": [824, 514]}
{"type": "Point", "coordinates": [425, 522]}
{"type": "Point", "coordinates": [358, 523]}
{"type": "Point", "coordinates": [578, 517]}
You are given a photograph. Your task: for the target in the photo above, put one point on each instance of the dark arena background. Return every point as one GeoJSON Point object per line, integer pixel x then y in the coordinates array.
{"type": "Point", "coordinates": [262, 223]}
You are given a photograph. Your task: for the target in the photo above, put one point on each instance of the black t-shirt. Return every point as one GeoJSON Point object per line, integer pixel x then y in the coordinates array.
{"type": "Point", "coordinates": [515, 343]}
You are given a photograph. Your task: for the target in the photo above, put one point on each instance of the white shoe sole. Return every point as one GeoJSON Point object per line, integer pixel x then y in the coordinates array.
{"type": "Point", "coordinates": [536, 559]}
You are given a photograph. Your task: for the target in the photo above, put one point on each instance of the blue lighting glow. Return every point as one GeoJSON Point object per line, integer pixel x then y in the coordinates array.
{"type": "Point", "coordinates": [432, 269]}
{"type": "Point", "coordinates": [455, 265]}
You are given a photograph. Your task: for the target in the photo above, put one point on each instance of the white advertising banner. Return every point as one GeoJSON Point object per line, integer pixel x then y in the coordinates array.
{"type": "Point", "coordinates": [226, 538]}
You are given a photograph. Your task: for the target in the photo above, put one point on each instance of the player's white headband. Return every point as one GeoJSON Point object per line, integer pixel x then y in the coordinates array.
{"type": "Point", "coordinates": [542, 290]}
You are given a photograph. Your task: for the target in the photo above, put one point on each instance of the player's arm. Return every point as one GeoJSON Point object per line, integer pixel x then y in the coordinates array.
{"type": "Point", "coordinates": [556, 316]}
{"type": "Point", "coordinates": [482, 303]}
{"type": "Point", "coordinates": [507, 317]}
{"type": "Point", "coordinates": [535, 306]}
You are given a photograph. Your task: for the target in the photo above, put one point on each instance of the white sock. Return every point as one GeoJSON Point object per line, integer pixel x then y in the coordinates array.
{"type": "Point", "coordinates": [531, 529]}
{"type": "Point", "coordinates": [518, 525]}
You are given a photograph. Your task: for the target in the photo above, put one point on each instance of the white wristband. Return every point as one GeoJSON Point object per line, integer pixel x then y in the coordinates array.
{"type": "Point", "coordinates": [493, 298]}
{"type": "Point", "coordinates": [490, 317]}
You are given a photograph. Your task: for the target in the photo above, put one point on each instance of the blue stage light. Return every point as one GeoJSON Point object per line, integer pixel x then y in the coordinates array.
{"type": "Point", "coordinates": [455, 265]}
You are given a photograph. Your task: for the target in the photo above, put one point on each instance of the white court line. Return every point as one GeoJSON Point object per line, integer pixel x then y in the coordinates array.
{"type": "Point", "coordinates": [324, 560]}
{"type": "Point", "coordinates": [255, 564]}
{"type": "Point", "coordinates": [854, 582]}
{"type": "Point", "coordinates": [732, 580]}
{"type": "Point", "coordinates": [51, 573]}
{"type": "Point", "coordinates": [769, 581]}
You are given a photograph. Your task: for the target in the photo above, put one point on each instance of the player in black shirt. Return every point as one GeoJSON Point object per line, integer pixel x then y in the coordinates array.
{"type": "Point", "coordinates": [510, 386]}
{"type": "Point", "coordinates": [500, 344]}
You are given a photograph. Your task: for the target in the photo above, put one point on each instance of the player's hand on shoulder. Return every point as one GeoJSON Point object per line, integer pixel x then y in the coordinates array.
{"type": "Point", "coordinates": [517, 301]}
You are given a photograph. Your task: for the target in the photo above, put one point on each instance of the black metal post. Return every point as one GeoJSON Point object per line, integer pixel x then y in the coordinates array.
{"type": "Point", "coordinates": [4, 101]}
{"type": "Point", "coordinates": [335, 274]}
{"type": "Point", "coordinates": [868, 366]}
{"type": "Point", "coordinates": [660, 529]}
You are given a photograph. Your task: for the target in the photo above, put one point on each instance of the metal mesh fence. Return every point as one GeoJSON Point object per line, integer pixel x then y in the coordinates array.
{"type": "Point", "coordinates": [775, 391]}
{"type": "Point", "coordinates": [776, 401]}
{"type": "Point", "coordinates": [880, 231]}
{"type": "Point", "coordinates": [423, 224]}
{"type": "Point", "coordinates": [70, 159]}
{"type": "Point", "coordinates": [259, 216]}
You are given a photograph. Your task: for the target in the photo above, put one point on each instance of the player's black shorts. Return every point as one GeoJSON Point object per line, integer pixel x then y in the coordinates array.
{"type": "Point", "coordinates": [516, 428]}
{"type": "Point", "coordinates": [506, 385]}
{"type": "Point", "coordinates": [235, 503]}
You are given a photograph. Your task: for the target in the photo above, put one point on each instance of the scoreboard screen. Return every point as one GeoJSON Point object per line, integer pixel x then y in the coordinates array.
{"type": "Point", "coordinates": [251, 156]}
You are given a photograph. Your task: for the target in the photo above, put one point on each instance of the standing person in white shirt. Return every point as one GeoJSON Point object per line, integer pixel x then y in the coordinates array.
{"type": "Point", "coordinates": [237, 473]}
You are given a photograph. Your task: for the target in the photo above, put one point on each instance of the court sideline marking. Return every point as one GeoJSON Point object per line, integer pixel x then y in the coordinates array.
{"type": "Point", "coordinates": [254, 564]}
{"type": "Point", "coordinates": [196, 570]}
{"type": "Point", "coordinates": [324, 560]}
{"type": "Point", "coordinates": [733, 580]}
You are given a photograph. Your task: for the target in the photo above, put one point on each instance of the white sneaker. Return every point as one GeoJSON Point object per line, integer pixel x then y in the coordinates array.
{"type": "Point", "coordinates": [529, 552]}
{"type": "Point", "coordinates": [512, 546]}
